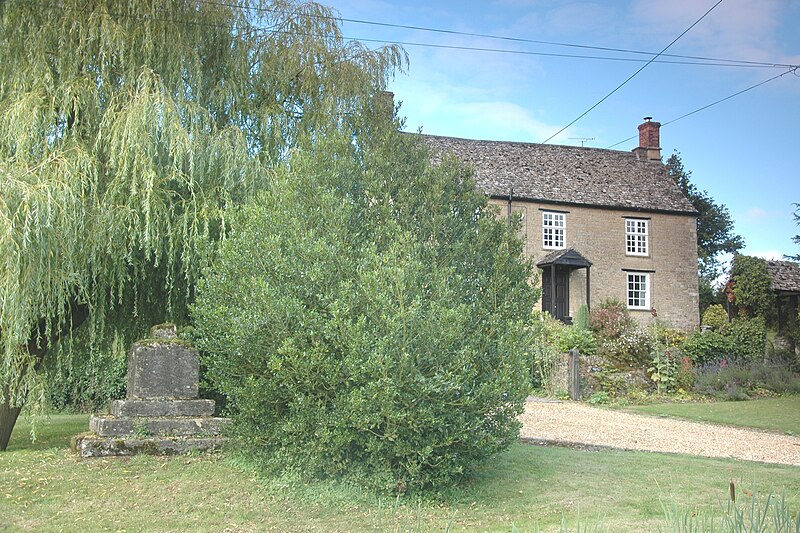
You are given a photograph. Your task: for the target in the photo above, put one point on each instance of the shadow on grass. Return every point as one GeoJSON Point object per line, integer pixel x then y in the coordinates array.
{"type": "Point", "coordinates": [51, 432]}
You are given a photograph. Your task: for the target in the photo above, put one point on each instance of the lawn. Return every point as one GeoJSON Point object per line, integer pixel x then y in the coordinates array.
{"type": "Point", "coordinates": [781, 415]}
{"type": "Point", "coordinates": [43, 487]}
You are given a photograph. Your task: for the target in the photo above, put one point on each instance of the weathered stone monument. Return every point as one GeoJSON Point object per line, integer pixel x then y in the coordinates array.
{"type": "Point", "coordinates": [162, 413]}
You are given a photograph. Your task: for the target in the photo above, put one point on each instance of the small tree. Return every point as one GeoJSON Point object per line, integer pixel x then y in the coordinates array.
{"type": "Point", "coordinates": [715, 232]}
{"type": "Point", "coordinates": [752, 287]}
{"type": "Point", "coordinates": [368, 318]}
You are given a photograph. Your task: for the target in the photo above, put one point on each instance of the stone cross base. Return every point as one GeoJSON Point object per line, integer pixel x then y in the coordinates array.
{"type": "Point", "coordinates": [94, 446]}
{"type": "Point", "coordinates": [162, 414]}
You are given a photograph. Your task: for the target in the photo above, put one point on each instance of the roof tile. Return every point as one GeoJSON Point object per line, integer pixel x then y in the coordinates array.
{"type": "Point", "coordinates": [566, 174]}
{"type": "Point", "coordinates": [785, 275]}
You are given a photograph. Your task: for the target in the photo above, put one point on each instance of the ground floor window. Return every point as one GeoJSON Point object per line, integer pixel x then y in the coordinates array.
{"type": "Point", "coordinates": [638, 290]}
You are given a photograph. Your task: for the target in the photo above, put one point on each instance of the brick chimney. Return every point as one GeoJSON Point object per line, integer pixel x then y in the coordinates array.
{"type": "Point", "coordinates": [384, 100]}
{"type": "Point", "coordinates": [649, 143]}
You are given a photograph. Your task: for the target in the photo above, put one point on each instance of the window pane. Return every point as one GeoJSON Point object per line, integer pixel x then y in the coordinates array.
{"type": "Point", "coordinates": [636, 236]}
{"type": "Point", "coordinates": [638, 291]}
{"type": "Point", "coordinates": [553, 230]}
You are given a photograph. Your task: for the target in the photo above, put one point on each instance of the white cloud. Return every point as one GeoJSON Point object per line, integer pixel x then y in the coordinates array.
{"type": "Point", "coordinates": [507, 121]}
{"type": "Point", "coordinates": [756, 214]}
{"type": "Point", "coordinates": [584, 18]}
{"type": "Point", "coordinates": [476, 118]}
{"type": "Point", "coordinates": [736, 29]}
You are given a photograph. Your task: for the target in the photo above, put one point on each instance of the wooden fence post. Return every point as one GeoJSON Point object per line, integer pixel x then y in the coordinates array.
{"type": "Point", "coordinates": [574, 375]}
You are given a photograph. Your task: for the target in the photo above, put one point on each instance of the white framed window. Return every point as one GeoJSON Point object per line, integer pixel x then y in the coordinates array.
{"type": "Point", "coordinates": [636, 233]}
{"type": "Point", "coordinates": [638, 290]}
{"type": "Point", "coordinates": [554, 227]}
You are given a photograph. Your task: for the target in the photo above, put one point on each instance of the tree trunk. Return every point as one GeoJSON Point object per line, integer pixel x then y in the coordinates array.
{"type": "Point", "coordinates": [8, 419]}
{"type": "Point", "coordinates": [78, 313]}
{"type": "Point", "coordinates": [9, 413]}
{"type": "Point", "coordinates": [8, 416]}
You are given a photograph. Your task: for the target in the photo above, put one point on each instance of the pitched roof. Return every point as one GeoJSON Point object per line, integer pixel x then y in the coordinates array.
{"type": "Point", "coordinates": [569, 257]}
{"type": "Point", "coordinates": [785, 276]}
{"type": "Point", "coordinates": [566, 174]}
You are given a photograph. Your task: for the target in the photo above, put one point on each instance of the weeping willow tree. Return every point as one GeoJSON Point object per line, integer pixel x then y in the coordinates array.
{"type": "Point", "coordinates": [126, 129]}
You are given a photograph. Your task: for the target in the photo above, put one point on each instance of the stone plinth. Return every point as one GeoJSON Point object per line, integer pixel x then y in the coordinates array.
{"type": "Point", "coordinates": [111, 426]}
{"type": "Point", "coordinates": [161, 407]}
{"type": "Point", "coordinates": [162, 414]}
{"type": "Point", "coordinates": [162, 369]}
{"type": "Point", "coordinates": [95, 446]}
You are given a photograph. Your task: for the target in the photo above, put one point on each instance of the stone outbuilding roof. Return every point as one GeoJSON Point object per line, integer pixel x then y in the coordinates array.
{"type": "Point", "coordinates": [785, 276]}
{"type": "Point", "coordinates": [566, 174]}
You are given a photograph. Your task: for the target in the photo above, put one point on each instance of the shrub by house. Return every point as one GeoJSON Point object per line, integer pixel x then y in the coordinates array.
{"type": "Point", "coordinates": [367, 319]}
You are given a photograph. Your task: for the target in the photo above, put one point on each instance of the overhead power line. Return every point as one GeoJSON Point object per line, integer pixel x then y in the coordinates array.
{"type": "Point", "coordinates": [680, 60]}
{"type": "Point", "coordinates": [792, 70]}
{"type": "Point", "coordinates": [708, 63]}
{"type": "Point", "coordinates": [618, 87]}
{"type": "Point", "coordinates": [704, 60]}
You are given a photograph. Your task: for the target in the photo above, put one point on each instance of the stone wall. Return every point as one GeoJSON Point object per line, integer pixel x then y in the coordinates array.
{"type": "Point", "coordinates": [599, 235]}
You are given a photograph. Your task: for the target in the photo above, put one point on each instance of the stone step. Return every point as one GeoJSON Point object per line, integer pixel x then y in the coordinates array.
{"type": "Point", "coordinates": [109, 426]}
{"type": "Point", "coordinates": [160, 408]}
{"type": "Point", "coordinates": [95, 446]}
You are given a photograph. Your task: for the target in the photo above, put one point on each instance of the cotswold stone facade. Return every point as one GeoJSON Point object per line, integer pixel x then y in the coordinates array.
{"type": "Point", "coordinates": [600, 224]}
{"type": "Point", "coordinates": [599, 236]}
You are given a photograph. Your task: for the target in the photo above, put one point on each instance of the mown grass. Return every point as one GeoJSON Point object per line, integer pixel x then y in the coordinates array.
{"type": "Point", "coordinates": [528, 487]}
{"type": "Point", "coordinates": [781, 415]}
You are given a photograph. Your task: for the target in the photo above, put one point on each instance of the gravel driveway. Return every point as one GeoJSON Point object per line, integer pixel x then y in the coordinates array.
{"type": "Point", "coordinates": [573, 423]}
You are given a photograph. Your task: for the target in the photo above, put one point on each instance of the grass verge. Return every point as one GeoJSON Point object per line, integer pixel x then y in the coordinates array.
{"type": "Point", "coordinates": [781, 415]}
{"type": "Point", "coordinates": [528, 488]}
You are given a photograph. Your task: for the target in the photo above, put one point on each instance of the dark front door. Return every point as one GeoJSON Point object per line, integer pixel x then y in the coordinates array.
{"type": "Point", "coordinates": [561, 286]}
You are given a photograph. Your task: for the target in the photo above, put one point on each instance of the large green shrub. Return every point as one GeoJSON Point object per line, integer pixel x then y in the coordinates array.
{"type": "Point", "coordinates": [368, 319]}
{"type": "Point", "coordinates": [752, 287]}
{"type": "Point", "coordinates": [715, 317]}
{"type": "Point", "coordinates": [741, 339]}
{"type": "Point", "coordinates": [705, 346]}
{"type": "Point", "coordinates": [748, 337]}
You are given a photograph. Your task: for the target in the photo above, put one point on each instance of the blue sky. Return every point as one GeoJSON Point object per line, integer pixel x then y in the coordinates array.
{"type": "Point", "coordinates": [743, 151]}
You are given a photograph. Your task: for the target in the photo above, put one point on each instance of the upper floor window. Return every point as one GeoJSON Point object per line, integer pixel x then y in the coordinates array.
{"type": "Point", "coordinates": [638, 293]}
{"type": "Point", "coordinates": [636, 231]}
{"type": "Point", "coordinates": [554, 227]}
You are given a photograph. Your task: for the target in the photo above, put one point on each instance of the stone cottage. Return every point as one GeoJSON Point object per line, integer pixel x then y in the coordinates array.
{"type": "Point", "coordinates": [599, 223]}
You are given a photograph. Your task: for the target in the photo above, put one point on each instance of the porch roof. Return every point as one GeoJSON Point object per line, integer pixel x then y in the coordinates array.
{"type": "Point", "coordinates": [567, 257]}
